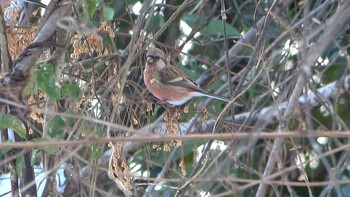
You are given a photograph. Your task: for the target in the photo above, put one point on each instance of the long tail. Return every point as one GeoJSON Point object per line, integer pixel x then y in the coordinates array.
{"type": "Point", "coordinates": [216, 97]}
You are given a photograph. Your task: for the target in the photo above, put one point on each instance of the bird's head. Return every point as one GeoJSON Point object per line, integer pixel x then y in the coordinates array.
{"type": "Point", "coordinates": [155, 57]}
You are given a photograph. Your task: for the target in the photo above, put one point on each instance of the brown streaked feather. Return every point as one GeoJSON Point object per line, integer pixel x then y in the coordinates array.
{"type": "Point", "coordinates": [166, 76]}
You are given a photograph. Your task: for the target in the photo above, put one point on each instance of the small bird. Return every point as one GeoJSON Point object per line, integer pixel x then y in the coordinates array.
{"type": "Point", "coordinates": [168, 83]}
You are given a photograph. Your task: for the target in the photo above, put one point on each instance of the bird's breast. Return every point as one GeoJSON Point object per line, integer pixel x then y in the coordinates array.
{"type": "Point", "coordinates": [164, 92]}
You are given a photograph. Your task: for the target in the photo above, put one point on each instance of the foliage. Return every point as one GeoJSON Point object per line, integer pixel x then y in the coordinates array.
{"type": "Point", "coordinates": [84, 107]}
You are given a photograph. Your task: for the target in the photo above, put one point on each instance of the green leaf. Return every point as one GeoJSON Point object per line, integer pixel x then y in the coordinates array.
{"type": "Point", "coordinates": [157, 21]}
{"type": "Point", "coordinates": [33, 157]}
{"type": "Point", "coordinates": [47, 82]}
{"type": "Point", "coordinates": [32, 86]}
{"type": "Point", "coordinates": [132, 1]}
{"type": "Point", "coordinates": [46, 78]}
{"type": "Point", "coordinates": [333, 72]}
{"type": "Point", "coordinates": [188, 148]}
{"type": "Point", "coordinates": [214, 26]}
{"type": "Point", "coordinates": [3, 151]}
{"type": "Point", "coordinates": [69, 120]}
{"type": "Point", "coordinates": [85, 127]}
{"type": "Point", "coordinates": [57, 126]}
{"type": "Point", "coordinates": [8, 121]}
{"type": "Point", "coordinates": [108, 13]}
{"type": "Point", "coordinates": [99, 131]}
{"type": "Point", "coordinates": [91, 6]}
{"type": "Point", "coordinates": [96, 153]}
{"type": "Point", "coordinates": [20, 166]}
{"type": "Point", "coordinates": [54, 93]}
{"type": "Point", "coordinates": [48, 149]}
{"type": "Point", "coordinates": [72, 91]}
{"type": "Point", "coordinates": [43, 79]}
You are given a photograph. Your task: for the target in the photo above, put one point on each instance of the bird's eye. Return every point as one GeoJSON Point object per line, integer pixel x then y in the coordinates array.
{"type": "Point", "coordinates": [150, 59]}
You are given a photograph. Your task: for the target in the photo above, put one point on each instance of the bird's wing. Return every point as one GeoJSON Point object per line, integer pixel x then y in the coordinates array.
{"type": "Point", "coordinates": [166, 76]}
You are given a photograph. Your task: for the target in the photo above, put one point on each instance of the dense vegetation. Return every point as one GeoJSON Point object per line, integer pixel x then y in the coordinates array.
{"type": "Point", "coordinates": [73, 99]}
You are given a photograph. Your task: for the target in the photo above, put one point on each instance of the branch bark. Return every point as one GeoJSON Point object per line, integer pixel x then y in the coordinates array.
{"type": "Point", "coordinates": [334, 26]}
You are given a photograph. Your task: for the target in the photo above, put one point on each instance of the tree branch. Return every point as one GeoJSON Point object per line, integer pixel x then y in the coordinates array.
{"type": "Point", "coordinates": [335, 24]}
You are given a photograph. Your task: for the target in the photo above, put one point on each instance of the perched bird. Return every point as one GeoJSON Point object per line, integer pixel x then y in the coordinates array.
{"type": "Point", "coordinates": [168, 83]}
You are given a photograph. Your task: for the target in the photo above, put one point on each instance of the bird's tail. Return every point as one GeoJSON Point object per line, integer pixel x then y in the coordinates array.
{"type": "Point", "coordinates": [220, 98]}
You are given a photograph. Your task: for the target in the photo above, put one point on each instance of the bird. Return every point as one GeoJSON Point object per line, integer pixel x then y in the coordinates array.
{"type": "Point", "coordinates": [170, 84]}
